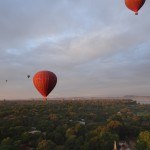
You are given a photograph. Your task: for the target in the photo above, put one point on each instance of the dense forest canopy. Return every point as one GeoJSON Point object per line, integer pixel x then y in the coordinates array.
{"type": "Point", "coordinates": [73, 124]}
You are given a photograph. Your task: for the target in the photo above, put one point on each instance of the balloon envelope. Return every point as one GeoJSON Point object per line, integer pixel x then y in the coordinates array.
{"type": "Point", "coordinates": [28, 76]}
{"type": "Point", "coordinates": [134, 5]}
{"type": "Point", "coordinates": [44, 81]}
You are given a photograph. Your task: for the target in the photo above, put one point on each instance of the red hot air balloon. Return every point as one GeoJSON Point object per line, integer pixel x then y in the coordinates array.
{"type": "Point", "coordinates": [44, 81]}
{"type": "Point", "coordinates": [134, 5]}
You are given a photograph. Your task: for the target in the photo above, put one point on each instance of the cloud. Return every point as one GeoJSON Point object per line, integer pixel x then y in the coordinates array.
{"type": "Point", "coordinates": [95, 48]}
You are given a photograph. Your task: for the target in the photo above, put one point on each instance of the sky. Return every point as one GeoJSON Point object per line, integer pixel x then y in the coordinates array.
{"type": "Point", "coordinates": [95, 47]}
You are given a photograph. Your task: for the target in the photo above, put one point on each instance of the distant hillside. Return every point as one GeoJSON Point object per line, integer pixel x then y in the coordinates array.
{"type": "Point", "coordinates": [139, 99]}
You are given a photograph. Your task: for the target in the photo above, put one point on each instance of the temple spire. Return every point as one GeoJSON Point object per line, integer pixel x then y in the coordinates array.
{"type": "Point", "coordinates": [115, 146]}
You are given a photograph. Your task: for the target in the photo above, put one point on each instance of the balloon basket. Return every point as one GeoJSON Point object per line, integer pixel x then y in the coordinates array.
{"type": "Point", "coordinates": [44, 99]}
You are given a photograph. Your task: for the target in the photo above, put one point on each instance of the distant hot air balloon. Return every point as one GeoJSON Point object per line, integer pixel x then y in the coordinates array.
{"type": "Point", "coordinates": [44, 81]}
{"type": "Point", "coordinates": [6, 80]}
{"type": "Point", "coordinates": [134, 5]}
{"type": "Point", "coordinates": [28, 76]}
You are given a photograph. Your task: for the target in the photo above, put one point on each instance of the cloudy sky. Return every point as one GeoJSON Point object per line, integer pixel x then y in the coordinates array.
{"type": "Point", "coordinates": [95, 47]}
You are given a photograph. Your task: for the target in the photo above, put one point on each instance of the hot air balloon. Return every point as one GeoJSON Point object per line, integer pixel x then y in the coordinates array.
{"type": "Point", "coordinates": [44, 81]}
{"type": "Point", "coordinates": [6, 80]}
{"type": "Point", "coordinates": [28, 76]}
{"type": "Point", "coordinates": [134, 5]}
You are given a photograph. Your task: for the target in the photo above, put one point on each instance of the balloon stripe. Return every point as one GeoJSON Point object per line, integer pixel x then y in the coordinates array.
{"type": "Point", "coordinates": [47, 82]}
{"type": "Point", "coordinates": [43, 81]}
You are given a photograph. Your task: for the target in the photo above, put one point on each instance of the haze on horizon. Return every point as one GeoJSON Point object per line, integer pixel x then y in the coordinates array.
{"type": "Point", "coordinates": [96, 48]}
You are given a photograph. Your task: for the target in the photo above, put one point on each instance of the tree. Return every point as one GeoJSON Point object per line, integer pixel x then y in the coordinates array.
{"type": "Point", "coordinates": [114, 126]}
{"type": "Point", "coordinates": [104, 141]}
{"type": "Point", "coordinates": [143, 141]}
{"type": "Point", "coordinates": [70, 132]}
{"type": "Point", "coordinates": [7, 141]}
{"type": "Point", "coordinates": [6, 144]}
{"type": "Point", "coordinates": [46, 145]}
{"type": "Point", "coordinates": [72, 144]}
{"type": "Point", "coordinates": [58, 138]}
